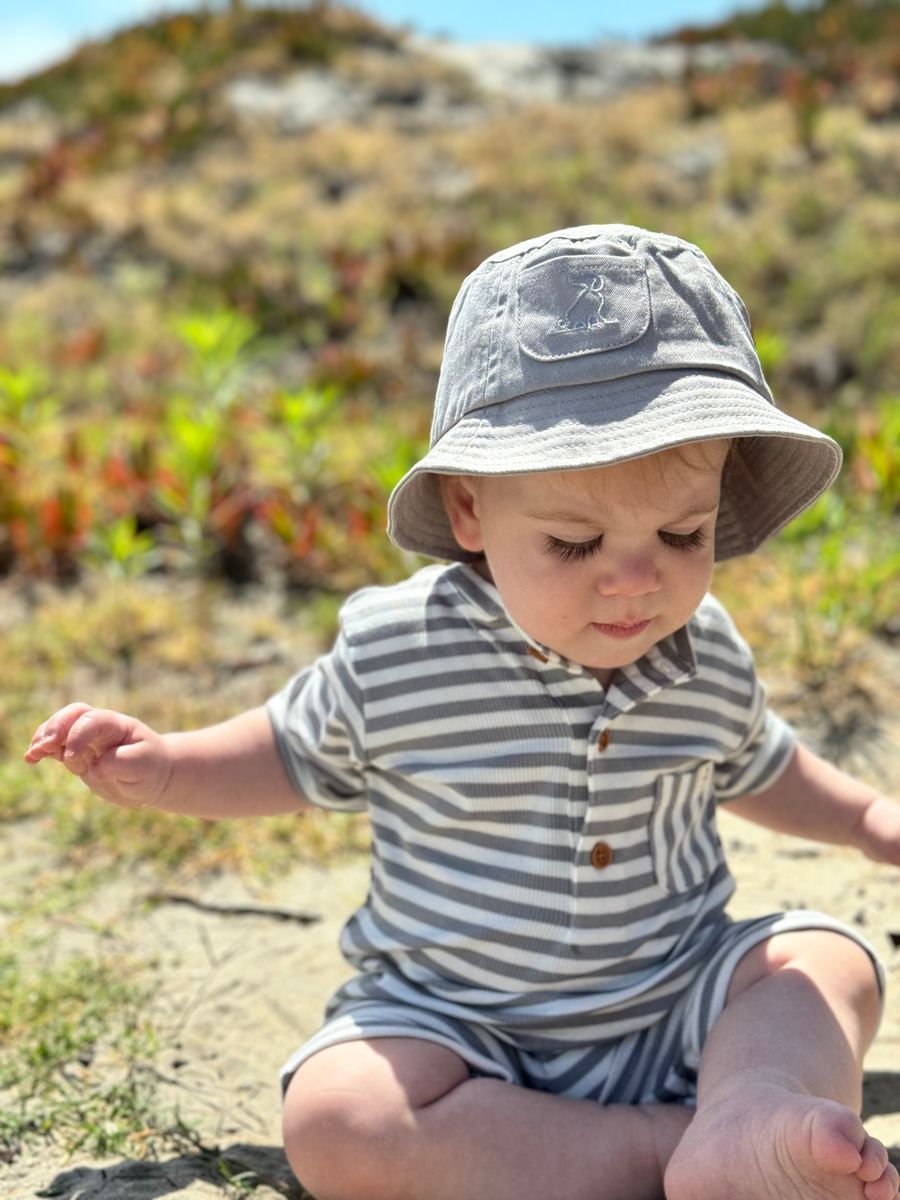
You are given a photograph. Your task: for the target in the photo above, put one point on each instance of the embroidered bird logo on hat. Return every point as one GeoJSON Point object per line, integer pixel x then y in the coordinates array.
{"type": "Point", "coordinates": [586, 310]}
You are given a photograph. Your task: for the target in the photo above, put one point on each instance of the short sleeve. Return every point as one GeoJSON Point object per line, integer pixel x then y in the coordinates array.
{"type": "Point", "coordinates": [763, 754]}
{"type": "Point", "coordinates": [319, 722]}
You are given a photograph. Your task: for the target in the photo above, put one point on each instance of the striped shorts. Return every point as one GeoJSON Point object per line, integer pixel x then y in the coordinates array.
{"type": "Point", "coordinates": [654, 1064]}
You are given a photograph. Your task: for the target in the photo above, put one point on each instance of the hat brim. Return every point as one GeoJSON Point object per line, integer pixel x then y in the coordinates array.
{"type": "Point", "coordinates": [783, 464]}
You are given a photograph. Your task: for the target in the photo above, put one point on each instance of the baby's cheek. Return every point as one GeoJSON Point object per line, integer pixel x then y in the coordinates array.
{"type": "Point", "coordinates": [554, 609]}
{"type": "Point", "coordinates": [693, 585]}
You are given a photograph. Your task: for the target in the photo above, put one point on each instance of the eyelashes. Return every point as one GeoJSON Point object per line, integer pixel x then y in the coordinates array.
{"type": "Point", "coordinates": [577, 551]}
{"type": "Point", "coordinates": [573, 551]}
{"type": "Point", "coordinates": [684, 541]}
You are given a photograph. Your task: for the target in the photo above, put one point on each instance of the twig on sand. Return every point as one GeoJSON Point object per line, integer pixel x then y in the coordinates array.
{"type": "Point", "coordinates": [234, 910]}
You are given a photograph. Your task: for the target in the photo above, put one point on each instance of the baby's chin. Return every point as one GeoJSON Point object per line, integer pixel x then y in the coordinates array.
{"type": "Point", "coordinates": [601, 649]}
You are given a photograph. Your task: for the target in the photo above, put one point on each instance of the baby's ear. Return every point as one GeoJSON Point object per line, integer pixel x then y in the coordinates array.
{"type": "Point", "coordinates": [459, 495]}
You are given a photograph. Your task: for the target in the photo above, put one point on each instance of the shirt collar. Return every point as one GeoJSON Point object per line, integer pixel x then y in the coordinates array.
{"type": "Point", "coordinates": [669, 661]}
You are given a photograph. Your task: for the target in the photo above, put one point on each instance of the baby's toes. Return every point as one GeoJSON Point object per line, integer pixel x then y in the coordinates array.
{"type": "Point", "coordinates": [885, 1187]}
{"type": "Point", "coordinates": [874, 1160]}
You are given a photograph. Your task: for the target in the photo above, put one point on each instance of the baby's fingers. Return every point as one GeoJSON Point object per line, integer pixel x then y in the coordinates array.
{"type": "Point", "coordinates": [49, 740]}
{"type": "Point", "coordinates": [92, 734]}
{"type": "Point", "coordinates": [78, 735]}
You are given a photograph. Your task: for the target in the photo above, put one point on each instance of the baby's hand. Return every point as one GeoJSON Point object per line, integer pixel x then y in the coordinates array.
{"type": "Point", "coordinates": [119, 758]}
{"type": "Point", "coordinates": [878, 833]}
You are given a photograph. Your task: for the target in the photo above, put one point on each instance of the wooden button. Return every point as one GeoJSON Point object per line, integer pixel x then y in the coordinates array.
{"type": "Point", "coordinates": [603, 740]}
{"type": "Point", "coordinates": [537, 654]}
{"type": "Point", "coordinates": [601, 855]}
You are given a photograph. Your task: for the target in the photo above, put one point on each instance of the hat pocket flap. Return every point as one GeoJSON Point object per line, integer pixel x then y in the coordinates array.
{"type": "Point", "coordinates": [578, 304]}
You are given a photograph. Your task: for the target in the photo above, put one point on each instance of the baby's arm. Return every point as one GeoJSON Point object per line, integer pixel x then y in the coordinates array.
{"type": "Point", "coordinates": [228, 770]}
{"type": "Point", "coordinates": [813, 799]}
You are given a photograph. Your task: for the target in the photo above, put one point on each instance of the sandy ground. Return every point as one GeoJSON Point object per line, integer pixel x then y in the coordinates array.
{"type": "Point", "coordinates": [233, 994]}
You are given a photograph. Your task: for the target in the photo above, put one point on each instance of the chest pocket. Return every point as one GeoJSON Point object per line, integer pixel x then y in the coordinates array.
{"type": "Point", "coordinates": [684, 842]}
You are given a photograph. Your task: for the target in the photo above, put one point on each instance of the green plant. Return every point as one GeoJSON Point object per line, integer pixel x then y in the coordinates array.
{"type": "Point", "coordinates": [843, 573]}
{"type": "Point", "coordinates": [56, 1021]}
{"type": "Point", "coordinates": [44, 516]}
{"type": "Point", "coordinates": [217, 341]}
{"type": "Point", "coordinates": [192, 443]}
{"type": "Point", "coordinates": [399, 455]}
{"type": "Point", "coordinates": [300, 428]}
{"type": "Point", "coordinates": [877, 451]}
{"type": "Point", "coordinates": [244, 1182]}
{"type": "Point", "coordinates": [122, 550]}
{"type": "Point", "coordinates": [772, 349]}
{"type": "Point", "coordinates": [26, 402]}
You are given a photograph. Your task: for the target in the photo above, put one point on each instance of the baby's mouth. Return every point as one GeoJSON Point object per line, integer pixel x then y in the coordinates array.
{"type": "Point", "coordinates": [625, 629]}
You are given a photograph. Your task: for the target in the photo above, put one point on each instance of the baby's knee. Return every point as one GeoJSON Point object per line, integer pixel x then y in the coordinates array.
{"type": "Point", "coordinates": [337, 1143]}
{"type": "Point", "coordinates": [349, 1123]}
{"type": "Point", "coordinates": [835, 963]}
{"type": "Point", "coordinates": [839, 964]}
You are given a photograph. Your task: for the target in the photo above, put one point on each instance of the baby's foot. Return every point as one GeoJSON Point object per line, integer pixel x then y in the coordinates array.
{"type": "Point", "coordinates": [768, 1143]}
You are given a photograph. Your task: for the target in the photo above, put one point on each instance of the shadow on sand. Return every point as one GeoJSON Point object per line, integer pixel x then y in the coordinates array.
{"type": "Point", "coordinates": [264, 1168]}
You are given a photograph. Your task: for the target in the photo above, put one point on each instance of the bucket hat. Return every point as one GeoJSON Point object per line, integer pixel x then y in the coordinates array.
{"type": "Point", "coordinates": [598, 344]}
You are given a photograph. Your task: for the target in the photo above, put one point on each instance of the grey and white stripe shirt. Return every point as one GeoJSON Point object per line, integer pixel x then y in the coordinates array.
{"type": "Point", "coordinates": [545, 856]}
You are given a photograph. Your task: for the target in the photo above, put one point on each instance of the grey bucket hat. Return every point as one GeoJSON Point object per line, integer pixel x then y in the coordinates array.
{"type": "Point", "coordinates": [598, 344]}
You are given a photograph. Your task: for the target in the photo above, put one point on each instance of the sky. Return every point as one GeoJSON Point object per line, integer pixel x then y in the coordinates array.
{"type": "Point", "coordinates": [36, 33]}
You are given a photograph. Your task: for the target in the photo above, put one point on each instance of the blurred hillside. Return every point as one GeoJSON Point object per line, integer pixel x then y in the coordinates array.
{"type": "Point", "coordinates": [218, 226]}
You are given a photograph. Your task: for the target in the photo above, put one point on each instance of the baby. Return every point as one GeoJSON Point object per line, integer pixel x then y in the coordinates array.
{"type": "Point", "coordinates": [548, 998]}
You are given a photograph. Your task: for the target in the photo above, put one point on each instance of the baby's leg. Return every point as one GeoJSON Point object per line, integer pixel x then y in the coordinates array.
{"type": "Point", "coordinates": [401, 1119]}
{"type": "Point", "coordinates": [780, 1081]}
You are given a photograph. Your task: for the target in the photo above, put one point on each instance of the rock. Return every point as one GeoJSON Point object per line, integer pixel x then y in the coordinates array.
{"type": "Point", "coordinates": [818, 364]}
{"type": "Point", "coordinates": [28, 129]}
{"type": "Point", "coordinates": [301, 101]}
{"type": "Point", "coordinates": [506, 72]}
{"type": "Point", "coordinates": [31, 124]}
{"type": "Point", "coordinates": [525, 72]}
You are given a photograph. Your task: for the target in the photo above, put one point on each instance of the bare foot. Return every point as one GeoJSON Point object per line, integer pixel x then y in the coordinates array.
{"type": "Point", "coordinates": [765, 1142]}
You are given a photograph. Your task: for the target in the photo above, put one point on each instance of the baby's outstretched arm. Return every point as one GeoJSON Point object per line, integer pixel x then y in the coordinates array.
{"type": "Point", "coordinates": [227, 770]}
{"type": "Point", "coordinates": [813, 799]}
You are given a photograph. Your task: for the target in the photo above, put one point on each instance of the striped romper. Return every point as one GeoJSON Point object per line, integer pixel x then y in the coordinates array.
{"type": "Point", "coordinates": [548, 887]}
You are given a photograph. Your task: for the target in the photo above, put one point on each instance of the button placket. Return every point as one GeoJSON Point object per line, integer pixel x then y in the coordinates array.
{"type": "Point", "coordinates": [594, 855]}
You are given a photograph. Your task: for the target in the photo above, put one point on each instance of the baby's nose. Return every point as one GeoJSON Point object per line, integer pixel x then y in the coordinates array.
{"type": "Point", "coordinates": [634, 575]}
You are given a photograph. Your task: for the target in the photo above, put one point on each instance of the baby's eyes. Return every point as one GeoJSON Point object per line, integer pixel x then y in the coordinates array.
{"type": "Point", "coordinates": [576, 551]}
{"type": "Point", "coordinates": [573, 551]}
{"type": "Point", "coordinates": [684, 541]}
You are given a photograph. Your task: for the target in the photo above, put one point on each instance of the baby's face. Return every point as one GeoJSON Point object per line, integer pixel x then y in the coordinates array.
{"type": "Point", "coordinates": [597, 564]}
